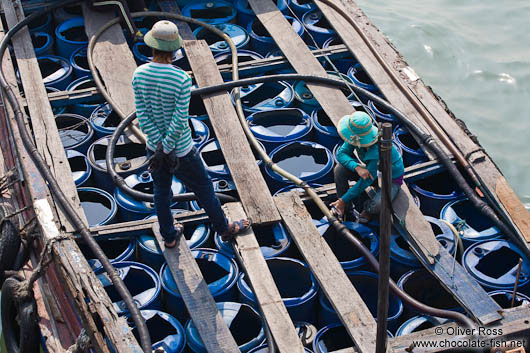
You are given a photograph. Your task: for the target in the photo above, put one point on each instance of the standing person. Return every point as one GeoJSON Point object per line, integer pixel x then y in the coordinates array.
{"type": "Point", "coordinates": [361, 135]}
{"type": "Point", "coordinates": [162, 97]}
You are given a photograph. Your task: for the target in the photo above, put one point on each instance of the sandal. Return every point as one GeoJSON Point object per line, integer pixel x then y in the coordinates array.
{"type": "Point", "coordinates": [235, 228]}
{"type": "Point", "coordinates": [180, 229]}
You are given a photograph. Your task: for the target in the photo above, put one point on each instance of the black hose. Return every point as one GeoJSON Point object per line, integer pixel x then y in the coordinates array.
{"type": "Point", "coordinates": [120, 182]}
{"type": "Point", "coordinates": [55, 189]}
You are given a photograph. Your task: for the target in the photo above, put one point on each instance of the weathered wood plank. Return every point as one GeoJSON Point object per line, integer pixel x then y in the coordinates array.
{"type": "Point", "coordinates": [343, 296]}
{"type": "Point", "coordinates": [197, 297]}
{"type": "Point", "coordinates": [274, 310]}
{"type": "Point", "coordinates": [332, 100]}
{"type": "Point", "coordinates": [47, 138]}
{"type": "Point", "coordinates": [514, 206]}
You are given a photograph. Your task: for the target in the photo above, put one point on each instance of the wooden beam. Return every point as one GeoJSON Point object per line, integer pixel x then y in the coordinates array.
{"type": "Point", "coordinates": [196, 295]}
{"type": "Point", "coordinates": [342, 295]}
{"type": "Point", "coordinates": [47, 138]}
{"type": "Point", "coordinates": [332, 100]}
{"type": "Point", "coordinates": [274, 310]}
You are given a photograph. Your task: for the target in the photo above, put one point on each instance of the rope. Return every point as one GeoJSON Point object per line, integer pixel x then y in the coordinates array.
{"type": "Point", "coordinates": [82, 343]}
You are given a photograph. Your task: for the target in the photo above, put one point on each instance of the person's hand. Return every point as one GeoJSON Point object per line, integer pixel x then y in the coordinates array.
{"type": "Point", "coordinates": [363, 172]}
{"type": "Point", "coordinates": [339, 206]}
{"type": "Point", "coordinates": [157, 160]}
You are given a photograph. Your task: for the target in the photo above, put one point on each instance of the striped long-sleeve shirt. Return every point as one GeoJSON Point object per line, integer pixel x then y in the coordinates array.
{"type": "Point", "coordinates": [162, 97]}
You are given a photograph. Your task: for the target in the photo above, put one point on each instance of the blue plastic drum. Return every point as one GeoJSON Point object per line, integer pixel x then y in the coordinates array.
{"type": "Point", "coordinates": [104, 120]}
{"type": "Point", "coordinates": [212, 12]}
{"type": "Point", "coordinates": [504, 298]}
{"type": "Point", "coordinates": [382, 114]}
{"type": "Point", "coordinates": [42, 43]}
{"type": "Point", "coordinates": [361, 78]}
{"type": "Point", "coordinates": [219, 271]}
{"type": "Point", "coordinates": [116, 251]}
{"type": "Point", "coordinates": [260, 39]}
{"type": "Point", "coordinates": [132, 209]}
{"type": "Point", "coordinates": [343, 64]}
{"type": "Point", "coordinates": [226, 186]}
{"type": "Point", "coordinates": [300, 7]}
{"type": "Point", "coordinates": [245, 14]}
{"type": "Point", "coordinates": [318, 27]}
{"type": "Point", "coordinates": [41, 24]}
{"type": "Point", "coordinates": [79, 62]}
{"type": "Point", "coordinates": [199, 132]}
{"type": "Point", "coordinates": [467, 219]}
{"type": "Point", "coordinates": [99, 206]}
{"type": "Point", "coordinates": [75, 131]}
{"type": "Point", "coordinates": [244, 324]}
{"type": "Point", "coordinates": [266, 96]}
{"type": "Point", "coordinates": [56, 71]}
{"type": "Point", "coordinates": [129, 158]}
{"type": "Point", "coordinates": [333, 338]}
{"type": "Point", "coordinates": [197, 111]}
{"type": "Point", "coordinates": [217, 45]}
{"type": "Point", "coordinates": [285, 67]}
{"type": "Point", "coordinates": [166, 332]}
{"type": "Point", "coordinates": [298, 288]}
{"type": "Point", "coordinates": [70, 35]}
{"type": "Point", "coordinates": [419, 323]}
{"type": "Point", "coordinates": [242, 56]}
{"type": "Point", "coordinates": [435, 191]}
{"type": "Point", "coordinates": [308, 161]}
{"type": "Point", "coordinates": [81, 170]}
{"type": "Point", "coordinates": [493, 263]}
{"type": "Point", "coordinates": [56, 107]}
{"type": "Point", "coordinates": [325, 131]}
{"type": "Point", "coordinates": [141, 280]}
{"type": "Point", "coordinates": [279, 126]}
{"type": "Point", "coordinates": [273, 240]}
{"type": "Point", "coordinates": [85, 109]}
{"type": "Point", "coordinates": [412, 152]}
{"type": "Point", "coordinates": [366, 285]}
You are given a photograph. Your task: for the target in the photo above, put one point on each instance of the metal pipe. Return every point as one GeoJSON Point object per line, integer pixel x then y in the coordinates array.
{"type": "Point", "coordinates": [519, 266]}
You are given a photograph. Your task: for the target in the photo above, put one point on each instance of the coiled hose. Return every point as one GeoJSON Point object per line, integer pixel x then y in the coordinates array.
{"type": "Point", "coordinates": [58, 195]}
{"type": "Point", "coordinates": [235, 84]}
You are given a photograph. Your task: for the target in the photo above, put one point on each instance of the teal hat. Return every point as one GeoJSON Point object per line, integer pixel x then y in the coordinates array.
{"type": "Point", "coordinates": [163, 36]}
{"type": "Point", "coordinates": [358, 130]}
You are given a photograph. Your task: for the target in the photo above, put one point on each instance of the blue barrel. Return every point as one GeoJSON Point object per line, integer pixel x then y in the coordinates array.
{"type": "Point", "coordinates": [56, 71]}
{"type": "Point", "coordinates": [85, 109]}
{"type": "Point", "coordinates": [266, 96]}
{"type": "Point", "coordinates": [244, 324]}
{"type": "Point", "coordinates": [67, 13]}
{"type": "Point", "coordinates": [79, 62]}
{"type": "Point", "coordinates": [141, 280]}
{"type": "Point", "coordinates": [300, 7]}
{"type": "Point", "coordinates": [273, 240]}
{"type": "Point", "coordinates": [99, 206]}
{"type": "Point", "coordinates": [104, 120]}
{"type": "Point", "coordinates": [342, 64]}
{"type": "Point", "coordinates": [298, 288]}
{"type": "Point", "coordinates": [144, 54]}
{"type": "Point", "coordinates": [75, 131]}
{"type": "Point", "coordinates": [318, 27]}
{"type": "Point", "coordinates": [435, 191]}
{"type": "Point", "coordinates": [129, 158]}
{"type": "Point", "coordinates": [55, 107]}
{"type": "Point", "coordinates": [245, 14]}
{"type": "Point", "coordinates": [504, 298]}
{"type": "Point", "coordinates": [42, 43]}
{"type": "Point", "coordinates": [242, 56]}
{"type": "Point", "coordinates": [42, 24]}
{"type": "Point", "coordinates": [332, 338]}
{"type": "Point", "coordinates": [278, 126]}
{"type": "Point", "coordinates": [217, 45]}
{"type": "Point", "coordinates": [265, 349]}
{"type": "Point", "coordinates": [286, 68]}
{"type": "Point", "coordinates": [304, 98]}
{"type": "Point", "coordinates": [309, 161]}
{"type": "Point", "coordinates": [260, 39]}
{"type": "Point", "coordinates": [199, 132]}
{"type": "Point", "coordinates": [81, 170]}
{"type": "Point", "coordinates": [226, 186]}
{"type": "Point", "coordinates": [116, 251]}
{"type": "Point", "coordinates": [166, 332]}
{"type": "Point", "coordinates": [219, 271]}
{"type": "Point", "coordinates": [197, 110]}
{"type": "Point", "coordinates": [212, 12]}
{"type": "Point", "coordinates": [132, 209]}
{"type": "Point", "coordinates": [412, 152]}
{"type": "Point", "coordinates": [425, 288]}
{"type": "Point", "coordinates": [402, 258]}
{"type": "Point", "coordinates": [361, 78]}
{"type": "Point", "coordinates": [325, 131]}
{"type": "Point", "coordinates": [347, 254]}
{"type": "Point", "coordinates": [366, 285]}
{"type": "Point", "coordinates": [70, 35]}
{"type": "Point", "coordinates": [382, 114]}
{"type": "Point", "coordinates": [214, 161]}
{"type": "Point", "coordinates": [149, 252]}
{"type": "Point", "coordinates": [467, 219]}
{"type": "Point", "coordinates": [419, 323]}
{"type": "Point", "coordinates": [493, 263]}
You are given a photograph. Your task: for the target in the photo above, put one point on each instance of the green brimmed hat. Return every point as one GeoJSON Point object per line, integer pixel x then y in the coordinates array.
{"type": "Point", "coordinates": [163, 36]}
{"type": "Point", "coordinates": [358, 130]}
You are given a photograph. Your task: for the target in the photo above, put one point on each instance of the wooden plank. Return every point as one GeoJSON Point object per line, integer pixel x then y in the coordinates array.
{"type": "Point", "coordinates": [342, 295]}
{"type": "Point", "coordinates": [47, 138]}
{"type": "Point", "coordinates": [195, 293]}
{"type": "Point", "coordinates": [274, 310]}
{"type": "Point", "coordinates": [332, 100]}
{"type": "Point", "coordinates": [514, 206]}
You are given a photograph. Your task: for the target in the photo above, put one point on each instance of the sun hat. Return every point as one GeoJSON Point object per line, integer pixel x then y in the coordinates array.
{"type": "Point", "coordinates": [163, 36]}
{"type": "Point", "coordinates": [358, 130]}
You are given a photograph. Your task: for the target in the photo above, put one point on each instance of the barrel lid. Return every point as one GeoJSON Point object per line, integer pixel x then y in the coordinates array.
{"type": "Point", "coordinates": [237, 33]}
{"type": "Point", "coordinates": [493, 263]}
{"type": "Point", "coordinates": [303, 94]}
{"type": "Point", "coordinates": [266, 96]}
{"type": "Point", "coordinates": [279, 125]}
{"type": "Point", "coordinates": [220, 272]}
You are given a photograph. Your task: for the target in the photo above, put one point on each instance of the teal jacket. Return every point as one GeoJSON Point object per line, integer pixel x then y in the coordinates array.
{"type": "Point", "coordinates": [370, 157]}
